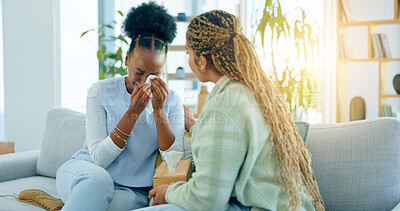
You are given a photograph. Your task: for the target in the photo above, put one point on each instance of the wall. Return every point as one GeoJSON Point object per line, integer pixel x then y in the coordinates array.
{"type": "Point", "coordinates": [31, 69]}
{"type": "Point", "coordinates": [1, 80]}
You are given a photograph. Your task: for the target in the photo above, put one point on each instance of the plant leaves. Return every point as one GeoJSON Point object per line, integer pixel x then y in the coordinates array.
{"type": "Point", "coordinates": [99, 54]}
{"type": "Point", "coordinates": [120, 37]}
{"type": "Point", "coordinates": [101, 76]}
{"type": "Point", "coordinates": [103, 49]}
{"type": "Point", "coordinates": [108, 26]}
{"type": "Point", "coordinates": [85, 32]}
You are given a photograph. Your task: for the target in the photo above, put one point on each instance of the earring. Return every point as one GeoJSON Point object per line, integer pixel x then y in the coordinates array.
{"type": "Point", "coordinates": [202, 69]}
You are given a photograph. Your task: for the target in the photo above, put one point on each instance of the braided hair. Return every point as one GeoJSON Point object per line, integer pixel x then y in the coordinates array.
{"type": "Point", "coordinates": [218, 36]}
{"type": "Point", "coordinates": [149, 20]}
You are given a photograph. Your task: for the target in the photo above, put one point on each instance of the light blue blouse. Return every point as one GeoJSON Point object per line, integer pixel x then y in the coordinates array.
{"type": "Point", "coordinates": [133, 166]}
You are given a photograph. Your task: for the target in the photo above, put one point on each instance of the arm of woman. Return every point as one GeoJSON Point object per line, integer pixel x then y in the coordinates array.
{"type": "Point", "coordinates": [189, 118]}
{"type": "Point", "coordinates": [171, 127]}
{"type": "Point", "coordinates": [101, 147]}
{"type": "Point", "coordinates": [104, 148]}
{"type": "Point", "coordinates": [219, 149]}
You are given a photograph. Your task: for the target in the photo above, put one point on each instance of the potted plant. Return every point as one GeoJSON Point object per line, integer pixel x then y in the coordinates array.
{"type": "Point", "coordinates": [180, 73]}
{"type": "Point", "coordinates": [111, 61]}
{"type": "Point", "coordinates": [295, 78]}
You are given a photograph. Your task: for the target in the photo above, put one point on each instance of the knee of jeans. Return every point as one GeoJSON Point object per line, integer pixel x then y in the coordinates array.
{"type": "Point", "coordinates": [99, 180]}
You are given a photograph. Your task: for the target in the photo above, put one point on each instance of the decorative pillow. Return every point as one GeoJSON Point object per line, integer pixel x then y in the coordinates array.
{"type": "Point", "coordinates": [303, 129]}
{"type": "Point", "coordinates": [63, 136]}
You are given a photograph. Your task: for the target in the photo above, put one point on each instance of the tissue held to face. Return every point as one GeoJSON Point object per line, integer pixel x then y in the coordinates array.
{"type": "Point", "coordinates": [142, 62]}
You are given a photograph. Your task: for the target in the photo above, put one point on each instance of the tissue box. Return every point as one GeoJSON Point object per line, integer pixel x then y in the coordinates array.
{"type": "Point", "coordinates": [183, 173]}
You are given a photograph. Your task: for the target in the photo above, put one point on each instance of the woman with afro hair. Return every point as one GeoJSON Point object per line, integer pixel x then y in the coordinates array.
{"type": "Point", "coordinates": [124, 134]}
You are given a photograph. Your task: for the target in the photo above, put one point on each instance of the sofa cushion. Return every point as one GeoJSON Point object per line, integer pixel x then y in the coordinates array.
{"type": "Point", "coordinates": [63, 136]}
{"type": "Point", "coordinates": [357, 164]}
{"type": "Point", "coordinates": [303, 129]}
{"type": "Point", "coordinates": [16, 186]}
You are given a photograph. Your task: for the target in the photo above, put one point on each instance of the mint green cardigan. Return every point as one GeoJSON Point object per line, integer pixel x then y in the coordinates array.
{"type": "Point", "coordinates": [230, 145]}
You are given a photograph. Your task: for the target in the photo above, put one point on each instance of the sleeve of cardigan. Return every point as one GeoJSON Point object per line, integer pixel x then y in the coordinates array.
{"type": "Point", "coordinates": [219, 149]}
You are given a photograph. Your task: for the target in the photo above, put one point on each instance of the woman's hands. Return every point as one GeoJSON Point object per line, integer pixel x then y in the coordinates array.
{"type": "Point", "coordinates": [160, 93]}
{"type": "Point", "coordinates": [141, 95]}
{"type": "Point", "coordinates": [189, 118]}
{"type": "Point", "coordinates": [159, 194]}
{"type": "Point", "coordinates": [139, 98]}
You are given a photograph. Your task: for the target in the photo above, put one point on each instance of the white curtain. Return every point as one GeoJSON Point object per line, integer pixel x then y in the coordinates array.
{"type": "Point", "coordinates": [330, 62]}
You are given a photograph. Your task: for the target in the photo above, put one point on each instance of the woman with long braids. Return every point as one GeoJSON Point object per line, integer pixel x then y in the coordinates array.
{"type": "Point", "coordinates": [114, 169]}
{"type": "Point", "coordinates": [247, 150]}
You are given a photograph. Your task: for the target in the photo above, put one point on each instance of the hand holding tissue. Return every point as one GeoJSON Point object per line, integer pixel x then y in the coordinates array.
{"type": "Point", "coordinates": [149, 107]}
{"type": "Point", "coordinates": [173, 169]}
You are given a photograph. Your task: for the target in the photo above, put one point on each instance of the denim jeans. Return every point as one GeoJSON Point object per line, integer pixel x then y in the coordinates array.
{"type": "Point", "coordinates": [234, 205]}
{"type": "Point", "coordinates": [83, 185]}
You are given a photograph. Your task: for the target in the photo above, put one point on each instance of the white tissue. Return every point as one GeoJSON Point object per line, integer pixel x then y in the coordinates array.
{"type": "Point", "coordinates": [172, 158]}
{"type": "Point", "coordinates": [150, 77]}
{"type": "Point", "coordinates": [149, 107]}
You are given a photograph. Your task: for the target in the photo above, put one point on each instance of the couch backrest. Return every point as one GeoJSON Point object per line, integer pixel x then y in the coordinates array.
{"type": "Point", "coordinates": [357, 164]}
{"type": "Point", "coordinates": [63, 136]}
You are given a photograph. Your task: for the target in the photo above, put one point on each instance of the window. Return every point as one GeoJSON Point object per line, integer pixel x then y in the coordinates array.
{"type": "Point", "coordinates": [79, 65]}
{"type": "Point", "coordinates": [283, 50]}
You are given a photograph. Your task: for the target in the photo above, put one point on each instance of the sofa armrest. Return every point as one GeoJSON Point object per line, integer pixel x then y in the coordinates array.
{"type": "Point", "coordinates": [18, 165]}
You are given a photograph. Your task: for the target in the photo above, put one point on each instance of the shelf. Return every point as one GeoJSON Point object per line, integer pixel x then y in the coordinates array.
{"type": "Point", "coordinates": [176, 48]}
{"type": "Point", "coordinates": [357, 23]}
{"type": "Point", "coordinates": [390, 96]}
{"type": "Point", "coordinates": [188, 76]}
{"type": "Point", "coordinates": [188, 19]}
{"type": "Point", "coordinates": [370, 60]}
{"type": "Point", "coordinates": [342, 88]}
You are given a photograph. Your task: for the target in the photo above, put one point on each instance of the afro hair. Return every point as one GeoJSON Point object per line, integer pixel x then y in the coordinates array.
{"type": "Point", "coordinates": [150, 18]}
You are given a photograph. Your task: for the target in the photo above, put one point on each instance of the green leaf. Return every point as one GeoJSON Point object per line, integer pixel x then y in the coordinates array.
{"type": "Point", "coordinates": [120, 37]}
{"type": "Point", "coordinates": [119, 12]}
{"type": "Point", "coordinates": [85, 32]}
{"type": "Point", "coordinates": [101, 76]}
{"type": "Point", "coordinates": [121, 71]}
{"type": "Point", "coordinates": [103, 49]}
{"type": "Point", "coordinates": [112, 38]}
{"type": "Point", "coordinates": [108, 26]}
{"type": "Point", "coordinates": [102, 26]}
{"type": "Point", "coordinates": [112, 56]}
{"type": "Point", "coordinates": [99, 54]}
{"type": "Point", "coordinates": [104, 68]}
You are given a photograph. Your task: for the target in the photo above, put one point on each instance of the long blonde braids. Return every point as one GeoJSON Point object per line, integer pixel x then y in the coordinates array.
{"type": "Point", "coordinates": [218, 36]}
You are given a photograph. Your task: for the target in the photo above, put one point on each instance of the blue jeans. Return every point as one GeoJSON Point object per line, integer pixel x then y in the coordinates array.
{"type": "Point", "coordinates": [83, 185]}
{"type": "Point", "coordinates": [234, 205]}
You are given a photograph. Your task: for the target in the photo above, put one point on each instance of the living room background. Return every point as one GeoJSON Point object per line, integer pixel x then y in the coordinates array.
{"type": "Point", "coordinates": [47, 64]}
{"type": "Point", "coordinates": [62, 65]}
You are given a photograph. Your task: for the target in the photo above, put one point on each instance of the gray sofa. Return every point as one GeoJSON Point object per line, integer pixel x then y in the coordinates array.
{"type": "Point", "coordinates": [357, 164]}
